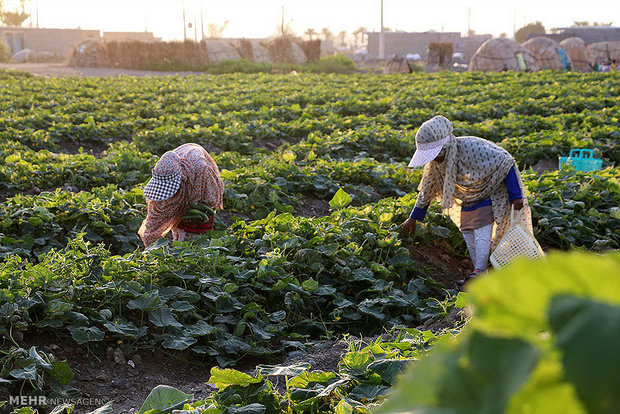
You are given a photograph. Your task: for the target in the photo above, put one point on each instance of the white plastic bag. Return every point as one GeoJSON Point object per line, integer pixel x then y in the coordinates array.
{"type": "Point", "coordinates": [517, 242]}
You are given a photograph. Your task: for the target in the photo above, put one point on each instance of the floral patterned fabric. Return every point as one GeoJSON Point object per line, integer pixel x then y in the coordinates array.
{"type": "Point", "coordinates": [200, 183]}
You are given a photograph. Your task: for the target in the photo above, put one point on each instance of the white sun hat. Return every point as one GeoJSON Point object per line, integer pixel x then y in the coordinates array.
{"type": "Point", "coordinates": [431, 137]}
{"type": "Point", "coordinates": [166, 178]}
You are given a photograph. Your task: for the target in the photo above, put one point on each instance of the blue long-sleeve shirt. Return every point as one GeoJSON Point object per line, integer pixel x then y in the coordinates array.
{"type": "Point", "coordinates": [512, 185]}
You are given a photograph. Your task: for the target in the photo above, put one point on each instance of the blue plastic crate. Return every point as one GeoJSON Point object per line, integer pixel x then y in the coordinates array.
{"type": "Point", "coordinates": [582, 160]}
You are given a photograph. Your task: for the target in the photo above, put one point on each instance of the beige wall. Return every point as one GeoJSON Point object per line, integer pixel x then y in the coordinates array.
{"type": "Point", "coordinates": [62, 41]}
{"type": "Point", "coordinates": [403, 43]}
{"type": "Point", "coordinates": [58, 41]}
{"type": "Point", "coordinates": [468, 45]}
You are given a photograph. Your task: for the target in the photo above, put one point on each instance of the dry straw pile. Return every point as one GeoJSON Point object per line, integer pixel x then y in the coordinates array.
{"type": "Point", "coordinates": [604, 52]}
{"type": "Point", "coordinates": [545, 52]}
{"type": "Point", "coordinates": [501, 54]}
{"type": "Point", "coordinates": [577, 51]}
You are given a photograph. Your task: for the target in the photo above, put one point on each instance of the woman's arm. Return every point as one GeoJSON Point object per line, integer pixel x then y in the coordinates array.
{"type": "Point", "coordinates": [514, 190]}
{"type": "Point", "coordinates": [158, 223]}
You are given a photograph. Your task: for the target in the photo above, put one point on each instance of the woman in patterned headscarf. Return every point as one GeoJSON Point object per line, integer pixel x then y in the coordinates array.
{"type": "Point", "coordinates": [185, 175]}
{"type": "Point", "coordinates": [476, 182]}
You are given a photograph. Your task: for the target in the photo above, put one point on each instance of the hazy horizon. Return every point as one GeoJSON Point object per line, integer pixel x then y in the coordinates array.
{"type": "Point", "coordinates": [251, 18]}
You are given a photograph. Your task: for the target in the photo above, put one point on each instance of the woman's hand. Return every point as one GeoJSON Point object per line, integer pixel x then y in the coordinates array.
{"type": "Point", "coordinates": [517, 203]}
{"type": "Point", "coordinates": [408, 227]}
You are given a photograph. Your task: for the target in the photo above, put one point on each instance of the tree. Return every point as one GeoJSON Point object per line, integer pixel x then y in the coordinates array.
{"type": "Point", "coordinates": [342, 37]}
{"type": "Point", "coordinates": [14, 18]}
{"type": "Point", "coordinates": [585, 23]}
{"type": "Point", "coordinates": [327, 34]}
{"type": "Point", "coordinates": [5, 52]}
{"type": "Point", "coordinates": [310, 33]}
{"type": "Point", "coordinates": [359, 33]}
{"type": "Point", "coordinates": [502, 35]}
{"type": "Point", "coordinates": [530, 28]}
{"type": "Point", "coordinates": [285, 29]}
{"type": "Point", "coordinates": [216, 31]}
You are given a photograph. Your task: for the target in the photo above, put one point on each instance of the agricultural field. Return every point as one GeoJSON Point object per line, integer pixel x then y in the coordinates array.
{"type": "Point", "coordinates": [303, 298]}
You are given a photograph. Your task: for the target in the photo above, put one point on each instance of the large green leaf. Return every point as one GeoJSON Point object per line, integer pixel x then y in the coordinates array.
{"type": "Point", "coordinates": [479, 377]}
{"type": "Point", "coordinates": [83, 334]}
{"type": "Point", "coordinates": [200, 328]}
{"type": "Point", "coordinates": [178, 342]}
{"type": "Point", "coordinates": [34, 357]}
{"type": "Point", "coordinates": [340, 200]}
{"type": "Point", "coordinates": [254, 408]}
{"type": "Point", "coordinates": [146, 301]}
{"type": "Point", "coordinates": [121, 327]}
{"type": "Point", "coordinates": [356, 362]}
{"type": "Point", "coordinates": [27, 373]}
{"type": "Point", "coordinates": [165, 399]}
{"type": "Point", "coordinates": [306, 379]}
{"type": "Point", "coordinates": [515, 300]}
{"type": "Point", "coordinates": [389, 369]}
{"type": "Point", "coordinates": [369, 393]}
{"type": "Point", "coordinates": [163, 317]}
{"type": "Point", "coordinates": [588, 334]}
{"type": "Point", "coordinates": [61, 372]}
{"type": "Point", "coordinates": [285, 370]}
{"type": "Point", "coordinates": [222, 378]}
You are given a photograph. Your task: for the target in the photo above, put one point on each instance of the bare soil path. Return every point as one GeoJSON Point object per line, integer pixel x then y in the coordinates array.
{"type": "Point", "coordinates": [60, 70]}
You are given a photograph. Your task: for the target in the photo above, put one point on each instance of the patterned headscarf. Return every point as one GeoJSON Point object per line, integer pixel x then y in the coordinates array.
{"type": "Point", "coordinates": [430, 138]}
{"type": "Point", "coordinates": [166, 178]}
{"type": "Point", "coordinates": [200, 183]}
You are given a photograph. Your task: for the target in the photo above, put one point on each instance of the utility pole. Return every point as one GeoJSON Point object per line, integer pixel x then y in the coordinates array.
{"type": "Point", "coordinates": [468, 20]}
{"type": "Point", "coordinates": [282, 24]}
{"type": "Point", "coordinates": [381, 37]}
{"type": "Point", "coordinates": [514, 25]}
{"type": "Point", "coordinates": [202, 25]}
{"type": "Point", "coordinates": [195, 30]}
{"type": "Point", "coordinates": [184, 24]}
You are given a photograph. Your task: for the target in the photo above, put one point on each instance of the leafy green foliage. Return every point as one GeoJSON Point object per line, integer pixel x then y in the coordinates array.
{"type": "Point", "coordinates": [231, 295]}
{"type": "Point", "coordinates": [541, 340]}
{"type": "Point", "coordinates": [586, 332]}
{"type": "Point", "coordinates": [273, 279]}
{"type": "Point", "coordinates": [164, 399]}
{"type": "Point", "coordinates": [33, 371]}
{"type": "Point", "coordinates": [364, 378]}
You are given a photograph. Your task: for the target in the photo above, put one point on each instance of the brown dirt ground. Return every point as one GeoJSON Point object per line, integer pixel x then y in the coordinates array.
{"type": "Point", "coordinates": [310, 206]}
{"type": "Point", "coordinates": [443, 263]}
{"type": "Point", "coordinates": [60, 70]}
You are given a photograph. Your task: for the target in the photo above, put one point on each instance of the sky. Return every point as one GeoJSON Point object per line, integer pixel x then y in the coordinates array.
{"type": "Point", "coordinates": [260, 18]}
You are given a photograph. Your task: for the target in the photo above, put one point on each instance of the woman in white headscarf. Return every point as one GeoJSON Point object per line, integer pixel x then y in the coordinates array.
{"type": "Point", "coordinates": [476, 182]}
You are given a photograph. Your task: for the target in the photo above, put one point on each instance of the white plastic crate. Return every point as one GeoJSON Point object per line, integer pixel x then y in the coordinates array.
{"type": "Point", "coordinates": [517, 242]}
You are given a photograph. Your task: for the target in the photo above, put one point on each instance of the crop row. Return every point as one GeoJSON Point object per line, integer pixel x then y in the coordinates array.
{"type": "Point", "coordinates": [571, 367]}
{"type": "Point", "coordinates": [239, 112]}
{"type": "Point", "coordinates": [237, 293]}
{"type": "Point", "coordinates": [570, 209]}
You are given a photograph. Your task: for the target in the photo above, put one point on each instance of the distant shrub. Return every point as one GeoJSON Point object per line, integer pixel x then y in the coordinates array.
{"type": "Point", "coordinates": [174, 65]}
{"type": "Point", "coordinates": [238, 66]}
{"type": "Point", "coordinates": [5, 52]}
{"type": "Point", "coordinates": [415, 67]}
{"type": "Point", "coordinates": [331, 64]}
